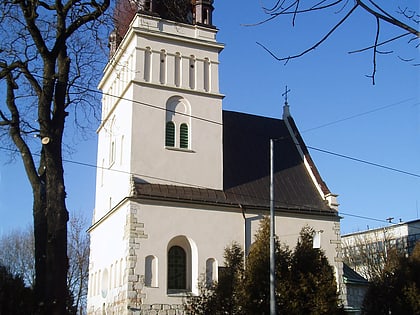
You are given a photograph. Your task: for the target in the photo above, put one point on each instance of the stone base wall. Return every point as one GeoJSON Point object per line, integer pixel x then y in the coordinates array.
{"type": "Point", "coordinates": [160, 309]}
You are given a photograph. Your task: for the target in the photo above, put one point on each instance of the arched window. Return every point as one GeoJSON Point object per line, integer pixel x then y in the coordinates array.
{"type": "Point", "coordinates": [170, 134]}
{"type": "Point", "coordinates": [147, 64]}
{"type": "Point", "coordinates": [104, 283]}
{"type": "Point", "coordinates": [183, 136]}
{"type": "Point", "coordinates": [211, 271]}
{"type": "Point", "coordinates": [177, 268]}
{"type": "Point", "coordinates": [151, 268]}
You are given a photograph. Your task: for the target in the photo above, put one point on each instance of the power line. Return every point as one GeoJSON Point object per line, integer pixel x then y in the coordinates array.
{"type": "Point", "coordinates": [360, 114]}
{"type": "Point", "coordinates": [365, 162]}
{"type": "Point", "coordinates": [119, 98]}
{"type": "Point", "coordinates": [301, 207]}
{"type": "Point", "coordinates": [218, 123]}
{"type": "Point", "coordinates": [237, 194]}
{"type": "Point", "coordinates": [389, 223]}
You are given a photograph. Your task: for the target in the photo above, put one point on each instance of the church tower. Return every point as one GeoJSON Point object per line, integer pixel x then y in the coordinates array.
{"type": "Point", "coordinates": [161, 112]}
{"type": "Point", "coordinates": [161, 124]}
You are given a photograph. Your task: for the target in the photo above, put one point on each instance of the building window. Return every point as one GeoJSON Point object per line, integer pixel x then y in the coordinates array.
{"type": "Point", "coordinates": [148, 64]}
{"type": "Point", "coordinates": [178, 124]}
{"type": "Point", "coordinates": [162, 67]}
{"type": "Point", "coordinates": [151, 275]}
{"type": "Point", "coordinates": [211, 271]}
{"type": "Point", "coordinates": [183, 136]}
{"type": "Point", "coordinates": [112, 153]}
{"type": "Point", "coordinates": [147, 5]}
{"type": "Point", "coordinates": [178, 69]}
{"type": "Point", "coordinates": [112, 143]}
{"type": "Point", "coordinates": [192, 72]}
{"type": "Point", "coordinates": [177, 268]}
{"type": "Point", "coordinates": [207, 74]}
{"type": "Point", "coordinates": [170, 134]}
{"type": "Point", "coordinates": [104, 283]}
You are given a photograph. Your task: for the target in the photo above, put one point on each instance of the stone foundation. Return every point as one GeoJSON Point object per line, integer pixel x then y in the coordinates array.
{"type": "Point", "coordinates": [159, 309]}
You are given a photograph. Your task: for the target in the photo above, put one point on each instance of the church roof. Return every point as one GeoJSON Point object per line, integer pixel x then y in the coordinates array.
{"type": "Point", "coordinates": [246, 168]}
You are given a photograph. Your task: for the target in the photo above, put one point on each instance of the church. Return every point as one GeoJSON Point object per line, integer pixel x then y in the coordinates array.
{"type": "Point", "coordinates": [179, 178]}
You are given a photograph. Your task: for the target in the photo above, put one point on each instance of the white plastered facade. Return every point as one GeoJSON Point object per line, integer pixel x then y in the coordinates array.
{"type": "Point", "coordinates": [164, 71]}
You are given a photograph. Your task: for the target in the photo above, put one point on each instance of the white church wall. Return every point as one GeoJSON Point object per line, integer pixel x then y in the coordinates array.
{"type": "Point", "coordinates": [113, 174]}
{"type": "Point", "coordinates": [199, 165]}
{"type": "Point", "coordinates": [211, 230]}
{"type": "Point", "coordinates": [107, 269]}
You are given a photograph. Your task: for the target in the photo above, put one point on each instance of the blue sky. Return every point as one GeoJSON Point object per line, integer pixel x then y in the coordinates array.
{"type": "Point", "coordinates": [327, 86]}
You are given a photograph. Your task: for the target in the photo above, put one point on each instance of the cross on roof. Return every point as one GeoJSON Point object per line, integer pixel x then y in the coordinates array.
{"type": "Point", "coordinates": [286, 92]}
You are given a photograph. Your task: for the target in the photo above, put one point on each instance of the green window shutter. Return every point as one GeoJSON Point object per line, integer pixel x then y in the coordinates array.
{"type": "Point", "coordinates": [183, 136]}
{"type": "Point", "coordinates": [170, 134]}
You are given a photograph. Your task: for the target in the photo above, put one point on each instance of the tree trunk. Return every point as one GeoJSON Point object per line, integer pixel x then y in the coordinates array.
{"type": "Point", "coordinates": [50, 212]}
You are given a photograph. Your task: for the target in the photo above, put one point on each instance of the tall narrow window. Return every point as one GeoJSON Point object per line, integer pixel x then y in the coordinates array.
{"type": "Point", "coordinates": [207, 75]}
{"type": "Point", "coordinates": [162, 66]}
{"type": "Point", "coordinates": [116, 274]}
{"type": "Point", "coordinates": [178, 69]}
{"type": "Point", "coordinates": [151, 276]}
{"type": "Point", "coordinates": [147, 64]}
{"type": "Point", "coordinates": [122, 150]}
{"type": "Point", "coordinates": [211, 271]}
{"type": "Point", "coordinates": [147, 5]}
{"type": "Point", "coordinates": [99, 283]}
{"type": "Point", "coordinates": [112, 153]}
{"type": "Point", "coordinates": [192, 72]}
{"type": "Point", "coordinates": [104, 283]}
{"type": "Point", "coordinates": [170, 134]}
{"type": "Point", "coordinates": [177, 268]}
{"type": "Point", "coordinates": [183, 136]}
{"type": "Point", "coordinates": [111, 275]}
{"type": "Point", "coordinates": [121, 276]}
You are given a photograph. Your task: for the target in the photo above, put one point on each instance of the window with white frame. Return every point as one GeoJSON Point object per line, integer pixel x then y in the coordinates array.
{"type": "Point", "coordinates": [177, 123]}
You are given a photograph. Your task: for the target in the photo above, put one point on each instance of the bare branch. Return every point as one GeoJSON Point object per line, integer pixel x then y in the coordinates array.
{"type": "Point", "coordinates": [314, 46]}
{"type": "Point", "coordinates": [375, 50]}
{"type": "Point", "coordinates": [29, 12]}
{"type": "Point", "coordinates": [15, 132]}
{"type": "Point", "coordinates": [91, 16]}
{"type": "Point", "coordinates": [286, 12]}
{"type": "Point", "coordinates": [379, 44]}
{"type": "Point", "coordinates": [5, 121]}
{"type": "Point", "coordinates": [389, 19]}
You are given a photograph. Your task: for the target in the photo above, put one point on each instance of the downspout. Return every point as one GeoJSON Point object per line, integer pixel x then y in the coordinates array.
{"type": "Point", "coordinates": [243, 216]}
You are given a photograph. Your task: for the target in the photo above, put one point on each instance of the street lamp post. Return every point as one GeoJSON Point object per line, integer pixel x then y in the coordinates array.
{"type": "Point", "coordinates": [272, 235]}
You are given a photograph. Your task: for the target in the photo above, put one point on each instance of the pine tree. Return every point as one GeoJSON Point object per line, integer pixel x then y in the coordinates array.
{"type": "Point", "coordinates": [305, 282]}
{"type": "Point", "coordinates": [313, 289]}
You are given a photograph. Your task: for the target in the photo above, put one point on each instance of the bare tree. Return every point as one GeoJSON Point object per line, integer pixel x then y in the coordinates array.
{"type": "Point", "coordinates": [368, 253]}
{"type": "Point", "coordinates": [407, 22]}
{"type": "Point", "coordinates": [17, 252]}
{"type": "Point", "coordinates": [78, 252]}
{"type": "Point", "coordinates": [45, 50]}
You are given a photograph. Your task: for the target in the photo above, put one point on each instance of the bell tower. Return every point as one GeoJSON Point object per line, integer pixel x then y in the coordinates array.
{"type": "Point", "coordinates": [161, 107]}
{"type": "Point", "coordinates": [161, 124]}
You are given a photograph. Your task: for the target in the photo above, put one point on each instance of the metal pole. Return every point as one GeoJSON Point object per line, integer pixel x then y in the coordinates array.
{"type": "Point", "coordinates": [272, 234]}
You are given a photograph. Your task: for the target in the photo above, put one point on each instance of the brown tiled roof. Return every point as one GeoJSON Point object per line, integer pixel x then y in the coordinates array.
{"type": "Point", "coordinates": [246, 166]}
